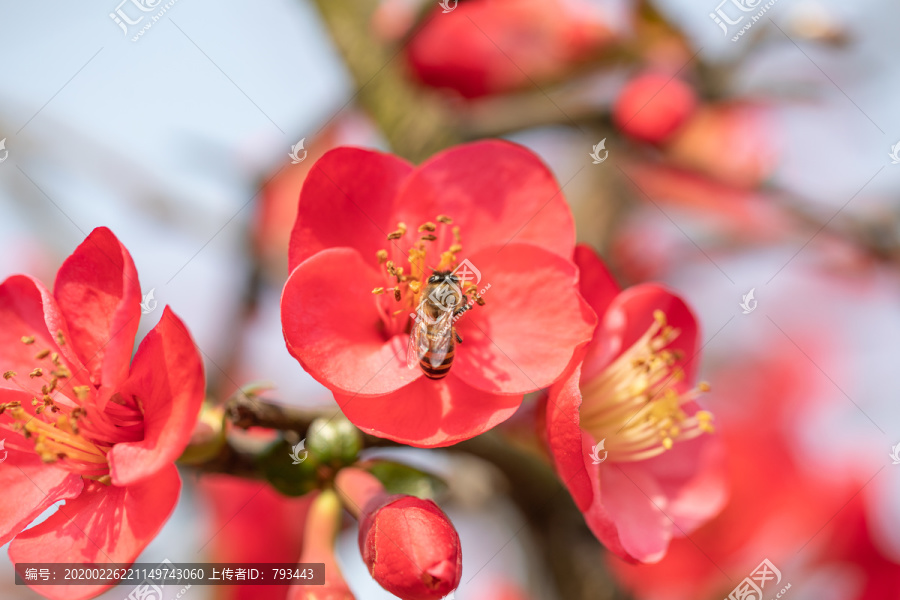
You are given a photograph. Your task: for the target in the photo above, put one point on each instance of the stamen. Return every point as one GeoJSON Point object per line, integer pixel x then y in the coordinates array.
{"type": "Point", "coordinates": [378, 290]}
{"type": "Point", "coordinates": [42, 354]}
{"type": "Point", "coordinates": [27, 339]}
{"type": "Point", "coordinates": [444, 219]}
{"type": "Point", "coordinates": [381, 255]}
{"type": "Point", "coordinates": [633, 403]}
{"type": "Point", "coordinates": [39, 372]}
{"type": "Point", "coordinates": [428, 226]}
{"type": "Point", "coordinates": [9, 375]}
{"type": "Point", "coordinates": [429, 237]}
{"type": "Point", "coordinates": [398, 233]}
{"type": "Point", "coordinates": [60, 338]}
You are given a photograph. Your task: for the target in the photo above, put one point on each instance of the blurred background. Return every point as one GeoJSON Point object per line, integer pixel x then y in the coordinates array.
{"type": "Point", "coordinates": [743, 152]}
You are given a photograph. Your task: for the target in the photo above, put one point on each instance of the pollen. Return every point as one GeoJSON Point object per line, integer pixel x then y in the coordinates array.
{"type": "Point", "coordinates": [382, 256]}
{"type": "Point", "coordinates": [27, 339]}
{"type": "Point", "coordinates": [9, 375]}
{"type": "Point", "coordinates": [36, 373]}
{"type": "Point", "coordinates": [637, 405]}
{"type": "Point", "coordinates": [42, 354]}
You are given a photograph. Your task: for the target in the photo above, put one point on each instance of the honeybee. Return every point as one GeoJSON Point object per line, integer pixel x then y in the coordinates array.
{"type": "Point", "coordinates": [433, 338]}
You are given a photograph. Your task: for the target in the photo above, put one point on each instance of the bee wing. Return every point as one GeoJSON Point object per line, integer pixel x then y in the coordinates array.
{"type": "Point", "coordinates": [441, 338]}
{"type": "Point", "coordinates": [418, 343]}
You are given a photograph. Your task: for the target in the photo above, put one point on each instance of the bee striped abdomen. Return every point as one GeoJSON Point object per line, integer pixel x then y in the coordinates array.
{"type": "Point", "coordinates": [442, 369]}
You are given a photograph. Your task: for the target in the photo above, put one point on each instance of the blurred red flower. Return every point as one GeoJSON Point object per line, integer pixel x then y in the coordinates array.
{"type": "Point", "coordinates": [251, 522]}
{"type": "Point", "coordinates": [653, 106]}
{"type": "Point", "coordinates": [509, 220]}
{"type": "Point", "coordinates": [323, 523]}
{"type": "Point", "coordinates": [623, 426]}
{"type": "Point", "coordinates": [85, 423]}
{"type": "Point", "coordinates": [776, 506]}
{"type": "Point", "coordinates": [489, 46]}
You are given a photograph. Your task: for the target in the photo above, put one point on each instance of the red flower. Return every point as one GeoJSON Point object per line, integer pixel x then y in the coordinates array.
{"type": "Point", "coordinates": [323, 523]}
{"type": "Point", "coordinates": [622, 425]}
{"type": "Point", "coordinates": [509, 220]}
{"type": "Point", "coordinates": [83, 422]}
{"type": "Point", "coordinates": [652, 106]}
{"type": "Point", "coordinates": [408, 544]}
{"type": "Point", "coordinates": [485, 46]}
{"type": "Point", "coordinates": [251, 522]}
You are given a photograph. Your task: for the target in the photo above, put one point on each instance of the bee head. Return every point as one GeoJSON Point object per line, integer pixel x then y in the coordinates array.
{"type": "Point", "coordinates": [443, 276]}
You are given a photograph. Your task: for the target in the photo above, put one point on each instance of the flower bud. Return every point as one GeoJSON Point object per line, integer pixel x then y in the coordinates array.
{"type": "Point", "coordinates": [651, 107]}
{"type": "Point", "coordinates": [322, 526]}
{"type": "Point", "coordinates": [408, 544]}
{"type": "Point", "coordinates": [334, 440]}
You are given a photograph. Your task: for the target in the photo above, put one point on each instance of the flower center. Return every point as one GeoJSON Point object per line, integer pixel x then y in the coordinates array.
{"type": "Point", "coordinates": [406, 284]}
{"type": "Point", "coordinates": [634, 404]}
{"type": "Point", "coordinates": [67, 425]}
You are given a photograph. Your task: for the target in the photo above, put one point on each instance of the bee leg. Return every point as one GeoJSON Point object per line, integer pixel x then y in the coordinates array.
{"type": "Point", "coordinates": [464, 308]}
{"type": "Point", "coordinates": [458, 339]}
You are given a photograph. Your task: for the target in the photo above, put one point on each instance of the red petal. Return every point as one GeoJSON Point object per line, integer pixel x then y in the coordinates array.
{"type": "Point", "coordinates": [167, 379]}
{"type": "Point", "coordinates": [599, 288]}
{"type": "Point", "coordinates": [331, 325]}
{"type": "Point", "coordinates": [23, 476]}
{"type": "Point", "coordinates": [28, 309]}
{"type": "Point", "coordinates": [104, 524]}
{"type": "Point", "coordinates": [98, 293]}
{"type": "Point", "coordinates": [429, 413]}
{"type": "Point", "coordinates": [631, 314]}
{"type": "Point", "coordinates": [347, 200]}
{"type": "Point", "coordinates": [524, 336]}
{"type": "Point", "coordinates": [595, 282]}
{"type": "Point", "coordinates": [570, 447]}
{"type": "Point", "coordinates": [496, 192]}
{"type": "Point", "coordinates": [635, 506]}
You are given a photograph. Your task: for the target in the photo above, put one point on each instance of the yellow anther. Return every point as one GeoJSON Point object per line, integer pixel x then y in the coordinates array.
{"type": "Point", "coordinates": [444, 219]}
{"type": "Point", "coordinates": [378, 290]}
{"type": "Point", "coordinates": [397, 295]}
{"type": "Point", "coordinates": [455, 248]}
{"type": "Point", "coordinates": [27, 339]}
{"type": "Point", "coordinates": [429, 237]}
{"type": "Point", "coordinates": [703, 386]}
{"type": "Point", "coordinates": [54, 358]}
{"type": "Point", "coordinates": [42, 354]}
{"type": "Point", "coordinates": [60, 338]}
{"type": "Point", "coordinates": [62, 373]}
{"type": "Point", "coordinates": [381, 255]}
{"type": "Point", "coordinates": [9, 375]}
{"type": "Point", "coordinates": [36, 373]}
{"type": "Point", "coordinates": [429, 226]}
{"type": "Point", "coordinates": [456, 234]}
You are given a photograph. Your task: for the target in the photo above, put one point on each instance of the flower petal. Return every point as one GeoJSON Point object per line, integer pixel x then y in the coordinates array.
{"type": "Point", "coordinates": [347, 200]}
{"type": "Point", "coordinates": [25, 477]}
{"type": "Point", "coordinates": [570, 448]}
{"type": "Point", "coordinates": [631, 314]}
{"type": "Point", "coordinates": [28, 310]}
{"type": "Point", "coordinates": [636, 506]}
{"type": "Point", "coordinates": [524, 336]}
{"type": "Point", "coordinates": [599, 288]}
{"type": "Point", "coordinates": [496, 192]}
{"type": "Point", "coordinates": [332, 326]}
{"type": "Point", "coordinates": [167, 379]}
{"type": "Point", "coordinates": [104, 524]}
{"type": "Point", "coordinates": [98, 293]}
{"type": "Point", "coordinates": [429, 414]}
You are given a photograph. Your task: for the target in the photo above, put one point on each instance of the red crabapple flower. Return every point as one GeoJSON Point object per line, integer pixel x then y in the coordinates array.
{"type": "Point", "coordinates": [370, 221]}
{"type": "Point", "coordinates": [85, 423]}
{"type": "Point", "coordinates": [623, 424]}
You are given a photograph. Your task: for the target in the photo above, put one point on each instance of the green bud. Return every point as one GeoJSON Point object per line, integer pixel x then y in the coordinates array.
{"type": "Point", "coordinates": [334, 441]}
